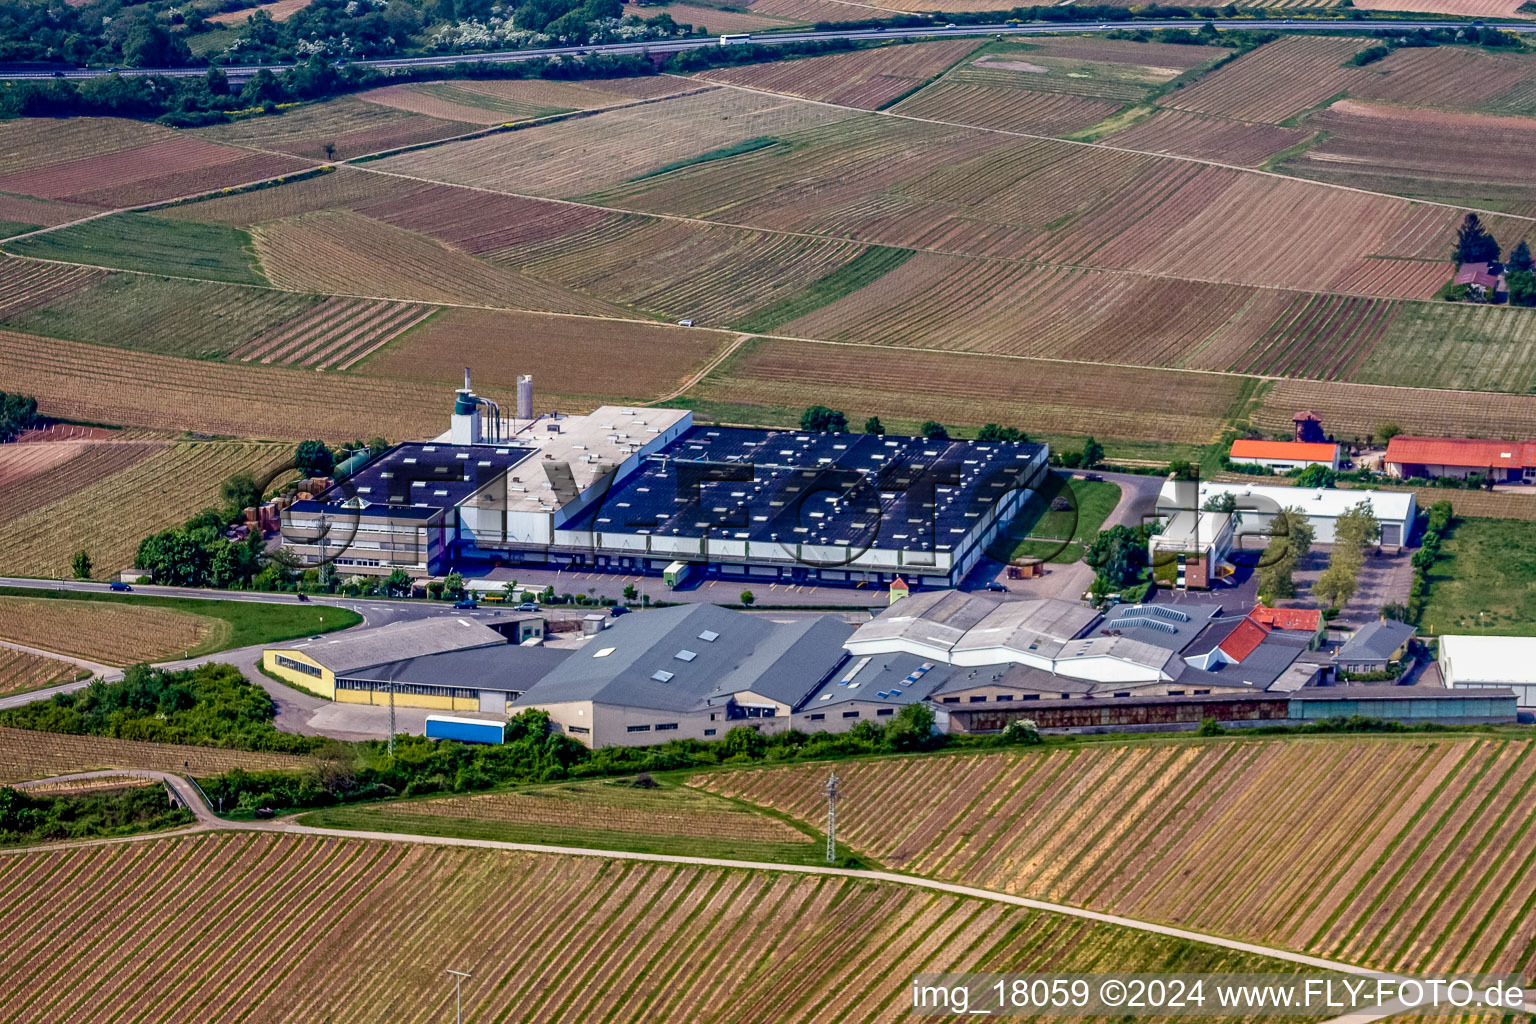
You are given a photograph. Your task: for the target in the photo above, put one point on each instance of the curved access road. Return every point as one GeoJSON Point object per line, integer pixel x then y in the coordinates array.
{"type": "Point", "coordinates": [241, 72]}
{"type": "Point", "coordinates": [181, 788]}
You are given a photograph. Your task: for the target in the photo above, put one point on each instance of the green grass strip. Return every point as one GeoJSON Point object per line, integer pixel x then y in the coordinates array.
{"type": "Point", "coordinates": [155, 245]}
{"type": "Point", "coordinates": [723, 153]}
{"type": "Point", "coordinates": [868, 266]}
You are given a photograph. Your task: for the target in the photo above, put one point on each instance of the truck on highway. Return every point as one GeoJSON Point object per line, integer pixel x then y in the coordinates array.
{"type": "Point", "coordinates": [465, 730]}
{"type": "Point", "coordinates": [736, 38]}
{"type": "Point", "coordinates": [676, 574]}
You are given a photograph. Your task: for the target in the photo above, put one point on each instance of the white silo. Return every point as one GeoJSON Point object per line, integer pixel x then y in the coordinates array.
{"type": "Point", "coordinates": [525, 396]}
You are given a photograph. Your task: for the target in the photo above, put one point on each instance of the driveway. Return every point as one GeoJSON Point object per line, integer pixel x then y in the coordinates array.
{"type": "Point", "coordinates": [1384, 579]}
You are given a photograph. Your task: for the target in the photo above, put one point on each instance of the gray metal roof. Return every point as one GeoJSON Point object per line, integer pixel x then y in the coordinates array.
{"type": "Point", "coordinates": [505, 667]}
{"type": "Point", "coordinates": [1376, 641]}
{"type": "Point", "coordinates": [1263, 665]}
{"type": "Point", "coordinates": [1173, 626]}
{"type": "Point", "coordinates": [663, 659]}
{"type": "Point", "coordinates": [898, 679]}
{"type": "Point", "coordinates": [346, 652]}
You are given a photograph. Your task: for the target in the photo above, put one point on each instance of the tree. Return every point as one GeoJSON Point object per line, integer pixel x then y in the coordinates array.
{"type": "Point", "coordinates": [509, 590]}
{"type": "Point", "coordinates": [1291, 537]}
{"type": "Point", "coordinates": [240, 492]}
{"type": "Point", "coordinates": [1335, 586]}
{"type": "Point", "coordinates": [1022, 731]}
{"type": "Point", "coordinates": [874, 426]}
{"type": "Point", "coordinates": [630, 592]}
{"type": "Point", "coordinates": [149, 45]}
{"type": "Point", "coordinates": [993, 432]}
{"type": "Point", "coordinates": [1119, 554]}
{"type": "Point", "coordinates": [314, 458]}
{"type": "Point", "coordinates": [1521, 288]}
{"type": "Point", "coordinates": [1226, 502]}
{"type": "Point", "coordinates": [1316, 475]}
{"type": "Point", "coordinates": [819, 419]}
{"type": "Point", "coordinates": [453, 586]}
{"type": "Point", "coordinates": [748, 598]}
{"type": "Point", "coordinates": [1520, 259]}
{"type": "Point", "coordinates": [17, 413]}
{"type": "Point", "coordinates": [911, 728]}
{"type": "Point", "coordinates": [1093, 453]}
{"type": "Point", "coordinates": [397, 583]}
{"type": "Point", "coordinates": [932, 430]}
{"type": "Point", "coordinates": [80, 564]}
{"type": "Point", "coordinates": [216, 81]}
{"type": "Point", "coordinates": [743, 740]}
{"type": "Point", "coordinates": [1473, 242]}
{"type": "Point", "coordinates": [1387, 431]}
{"type": "Point", "coordinates": [263, 87]}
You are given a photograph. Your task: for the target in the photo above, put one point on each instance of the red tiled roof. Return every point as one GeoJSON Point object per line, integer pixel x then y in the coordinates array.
{"type": "Point", "coordinates": [1460, 451]}
{"type": "Point", "coordinates": [1304, 619]}
{"type": "Point", "coordinates": [1307, 451]}
{"type": "Point", "coordinates": [1243, 640]}
{"type": "Point", "coordinates": [1478, 274]}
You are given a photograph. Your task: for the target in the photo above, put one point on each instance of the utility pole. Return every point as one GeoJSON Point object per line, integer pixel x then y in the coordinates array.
{"type": "Point", "coordinates": [832, 796]}
{"type": "Point", "coordinates": [458, 1002]}
{"type": "Point", "coordinates": [391, 718]}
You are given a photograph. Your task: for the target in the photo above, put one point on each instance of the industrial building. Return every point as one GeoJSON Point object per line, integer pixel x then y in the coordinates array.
{"type": "Point", "coordinates": [688, 672]}
{"type": "Point", "coordinates": [638, 490]}
{"type": "Point", "coordinates": [1258, 503]}
{"type": "Point", "coordinates": [1490, 663]}
{"type": "Point", "coordinates": [349, 667]}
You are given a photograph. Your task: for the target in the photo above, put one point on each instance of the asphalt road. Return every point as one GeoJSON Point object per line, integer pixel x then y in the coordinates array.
{"type": "Point", "coordinates": [237, 73]}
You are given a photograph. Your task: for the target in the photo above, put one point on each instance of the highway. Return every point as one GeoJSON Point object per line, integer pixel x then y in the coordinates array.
{"type": "Point", "coordinates": [242, 72]}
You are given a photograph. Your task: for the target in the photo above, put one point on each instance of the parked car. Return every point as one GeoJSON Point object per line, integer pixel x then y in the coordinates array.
{"type": "Point", "coordinates": [688, 322]}
{"type": "Point", "coordinates": [528, 606]}
{"type": "Point", "coordinates": [119, 585]}
{"type": "Point", "coordinates": [466, 602]}
{"type": "Point", "coordinates": [996, 587]}
{"type": "Point", "coordinates": [618, 610]}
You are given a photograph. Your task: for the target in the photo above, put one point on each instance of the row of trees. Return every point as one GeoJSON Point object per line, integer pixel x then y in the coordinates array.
{"type": "Point", "coordinates": [1291, 538]}
{"type": "Point", "coordinates": [1437, 528]}
{"type": "Point", "coordinates": [1353, 532]}
{"type": "Point", "coordinates": [532, 752]}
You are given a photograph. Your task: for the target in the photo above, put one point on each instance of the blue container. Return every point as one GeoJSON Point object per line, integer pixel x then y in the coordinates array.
{"type": "Point", "coordinates": [465, 730]}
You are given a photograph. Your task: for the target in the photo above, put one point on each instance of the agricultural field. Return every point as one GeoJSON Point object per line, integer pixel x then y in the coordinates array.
{"type": "Point", "coordinates": [1473, 159]}
{"type": "Point", "coordinates": [349, 254]}
{"type": "Point", "coordinates": [570, 158]}
{"type": "Point", "coordinates": [1485, 582]}
{"type": "Point", "coordinates": [1011, 110]}
{"type": "Point", "coordinates": [24, 213]}
{"type": "Point", "coordinates": [277, 10]}
{"type": "Point", "coordinates": [679, 269]}
{"type": "Point", "coordinates": [1180, 133]}
{"type": "Point", "coordinates": [337, 332]}
{"type": "Point", "coordinates": [586, 360]}
{"type": "Point", "coordinates": [1402, 853]}
{"type": "Point", "coordinates": [25, 285]}
{"type": "Point", "coordinates": [22, 670]}
{"type": "Point", "coordinates": [101, 162]}
{"type": "Point", "coordinates": [321, 927]}
{"type": "Point", "coordinates": [150, 244]}
{"type": "Point", "coordinates": [77, 381]}
{"type": "Point", "coordinates": [497, 102]}
{"type": "Point", "coordinates": [1276, 81]}
{"type": "Point", "coordinates": [725, 18]}
{"type": "Point", "coordinates": [25, 754]}
{"type": "Point", "coordinates": [34, 475]}
{"type": "Point", "coordinates": [868, 79]}
{"type": "Point", "coordinates": [108, 516]}
{"type": "Point", "coordinates": [1358, 409]}
{"type": "Point", "coordinates": [102, 632]}
{"type": "Point", "coordinates": [158, 314]}
{"type": "Point", "coordinates": [336, 130]}
{"type": "Point", "coordinates": [604, 814]}
{"type": "Point", "coordinates": [1459, 77]}
{"type": "Point", "coordinates": [1459, 8]}
{"type": "Point", "coordinates": [770, 381]}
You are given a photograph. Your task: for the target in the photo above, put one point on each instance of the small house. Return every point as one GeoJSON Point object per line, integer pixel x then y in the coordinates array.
{"type": "Point", "coordinates": [1375, 647]}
